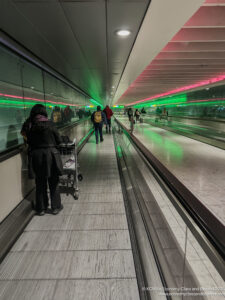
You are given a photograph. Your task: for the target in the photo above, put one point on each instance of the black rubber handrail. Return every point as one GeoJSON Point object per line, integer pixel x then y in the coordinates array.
{"type": "Point", "coordinates": [208, 223]}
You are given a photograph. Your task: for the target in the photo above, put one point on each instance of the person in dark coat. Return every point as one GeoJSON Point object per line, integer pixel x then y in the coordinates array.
{"type": "Point", "coordinates": [43, 138]}
{"type": "Point", "coordinates": [108, 112]}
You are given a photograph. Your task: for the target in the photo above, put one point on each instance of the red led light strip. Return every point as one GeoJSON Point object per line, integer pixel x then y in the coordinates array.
{"type": "Point", "coordinates": [39, 100]}
{"type": "Point", "coordinates": [184, 88]}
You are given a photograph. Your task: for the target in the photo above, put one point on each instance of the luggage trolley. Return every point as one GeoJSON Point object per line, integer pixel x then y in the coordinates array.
{"type": "Point", "coordinates": [70, 177]}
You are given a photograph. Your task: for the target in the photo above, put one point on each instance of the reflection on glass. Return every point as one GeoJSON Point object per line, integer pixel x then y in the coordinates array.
{"type": "Point", "coordinates": [22, 85]}
{"type": "Point", "coordinates": [11, 101]}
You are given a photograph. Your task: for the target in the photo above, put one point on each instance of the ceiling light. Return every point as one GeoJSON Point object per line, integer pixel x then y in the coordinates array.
{"type": "Point", "coordinates": [123, 33]}
{"type": "Point", "coordinates": [113, 87]}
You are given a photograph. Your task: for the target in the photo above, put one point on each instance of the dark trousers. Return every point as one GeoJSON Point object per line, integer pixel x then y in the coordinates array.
{"type": "Point", "coordinates": [108, 125]}
{"type": "Point", "coordinates": [98, 129]}
{"type": "Point", "coordinates": [42, 195]}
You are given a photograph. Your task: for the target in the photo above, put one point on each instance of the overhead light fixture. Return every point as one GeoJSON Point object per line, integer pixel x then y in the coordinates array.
{"type": "Point", "coordinates": [113, 87]}
{"type": "Point", "coordinates": [123, 33]}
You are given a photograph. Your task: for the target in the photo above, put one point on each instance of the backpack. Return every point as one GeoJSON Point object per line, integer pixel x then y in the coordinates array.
{"type": "Point", "coordinates": [57, 117]}
{"type": "Point", "coordinates": [98, 117]}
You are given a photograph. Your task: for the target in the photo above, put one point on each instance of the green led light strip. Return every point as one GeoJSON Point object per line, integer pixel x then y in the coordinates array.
{"type": "Point", "coordinates": [164, 101]}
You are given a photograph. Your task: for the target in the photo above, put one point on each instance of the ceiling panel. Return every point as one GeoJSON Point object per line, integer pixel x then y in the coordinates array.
{"type": "Point", "coordinates": [194, 46]}
{"type": "Point", "coordinates": [195, 54]}
{"type": "Point", "coordinates": [58, 33]}
{"type": "Point", "coordinates": [191, 55]}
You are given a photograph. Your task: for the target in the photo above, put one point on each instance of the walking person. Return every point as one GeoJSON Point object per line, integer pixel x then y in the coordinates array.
{"type": "Point", "coordinates": [137, 115]}
{"type": "Point", "coordinates": [131, 119]}
{"type": "Point", "coordinates": [98, 118]}
{"type": "Point", "coordinates": [108, 112]}
{"type": "Point", "coordinates": [43, 138]}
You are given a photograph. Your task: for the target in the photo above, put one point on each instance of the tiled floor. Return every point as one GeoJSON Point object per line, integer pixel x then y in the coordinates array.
{"type": "Point", "coordinates": [84, 253]}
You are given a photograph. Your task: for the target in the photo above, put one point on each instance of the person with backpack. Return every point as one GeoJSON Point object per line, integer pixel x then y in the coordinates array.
{"type": "Point", "coordinates": [108, 112]}
{"type": "Point", "coordinates": [98, 118]}
{"type": "Point", "coordinates": [56, 116]}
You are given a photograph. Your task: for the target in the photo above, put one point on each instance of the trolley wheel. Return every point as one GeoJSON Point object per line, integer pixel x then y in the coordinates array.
{"type": "Point", "coordinates": [80, 177]}
{"type": "Point", "coordinates": [76, 195]}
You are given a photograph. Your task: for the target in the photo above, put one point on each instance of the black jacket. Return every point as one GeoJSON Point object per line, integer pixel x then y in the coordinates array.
{"type": "Point", "coordinates": [43, 139]}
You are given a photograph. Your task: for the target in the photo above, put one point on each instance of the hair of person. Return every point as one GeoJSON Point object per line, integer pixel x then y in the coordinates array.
{"type": "Point", "coordinates": [98, 107]}
{"type": "Point", "coordinates": [38, 109]}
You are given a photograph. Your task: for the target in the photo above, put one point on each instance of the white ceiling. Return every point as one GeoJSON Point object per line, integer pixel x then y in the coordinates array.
{"type": "Point", "coordinates": [193, 54]}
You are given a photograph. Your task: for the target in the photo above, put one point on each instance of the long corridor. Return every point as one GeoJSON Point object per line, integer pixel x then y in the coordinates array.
{"type": "Point", "coordinates": [82, 253]}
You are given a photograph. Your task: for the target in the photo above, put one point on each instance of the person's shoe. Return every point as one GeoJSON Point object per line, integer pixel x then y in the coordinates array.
{"type": "Point", "coordinates": [41, 213]}
{"type": "Point", "coordinates": [55, 211]}
{"type": "Point", "coordinates": [102, 140]}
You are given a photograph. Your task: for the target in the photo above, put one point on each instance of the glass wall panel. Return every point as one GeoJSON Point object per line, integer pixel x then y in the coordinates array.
{"type": "Point", "coordinates": [22, 85]}
{"type": "Point", "coordinates": [32, 83]}
{"type": "Point", "coordinates": [11, 100]}
{"type": "Point", "coordinates": [207, 103]}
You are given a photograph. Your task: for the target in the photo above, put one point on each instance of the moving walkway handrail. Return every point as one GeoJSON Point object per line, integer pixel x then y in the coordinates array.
{"type": "Point", "coordinates": [207, 222]}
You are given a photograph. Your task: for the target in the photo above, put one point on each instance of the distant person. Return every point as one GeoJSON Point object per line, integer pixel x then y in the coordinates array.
{"type": "Point", "coordinates": [98, 118]}
{"type": "Point", "coordinates": [165, 112]}
{"type": "Point", "coordinates": [137, 115]}
{"type": "Point", "coordinates": [62, 116]}
{"type": "Point", "coordinates": [68, 114]}
{"type": "Point", "coordinates": [143, 111]}
{"type": "Point", "coordinates": [45, 161]}
{"type": "Point", "coordinates": [131, 119]}
{"type": "Point", "coordinates": [158, 111]}
{"type": "Point", "coordinates": [130, 113]}
{"type": "Point", "coordinates": [108, 112]}
{"type": "Point", "coordinates": [80, 114]}
{"type": "Point", "coordinates": [56, 116]}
